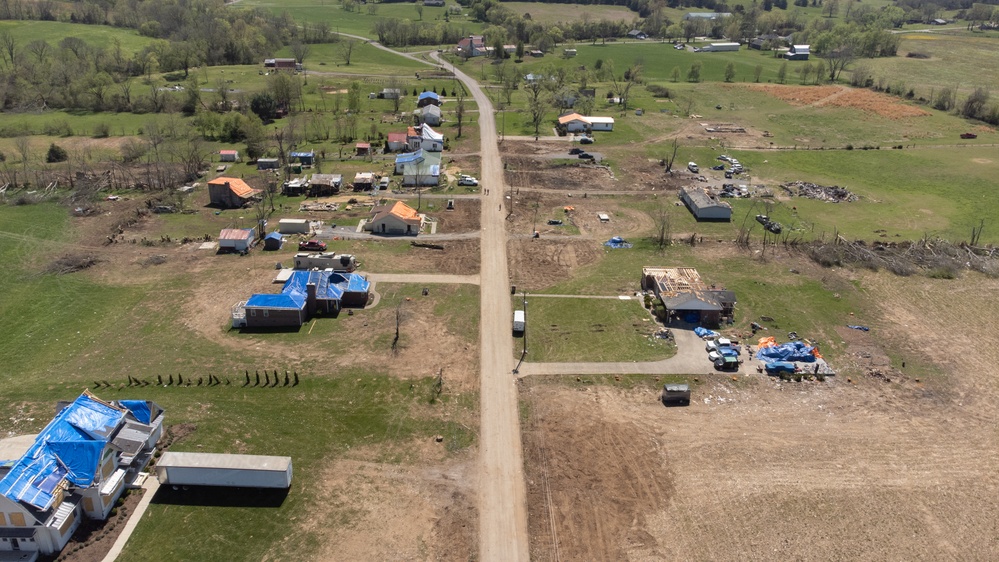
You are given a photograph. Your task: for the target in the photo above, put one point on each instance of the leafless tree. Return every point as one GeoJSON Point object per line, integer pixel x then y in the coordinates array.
{"type": "Point", "coordinates": [662, 216]}
{"type": "Point", "coordinates": [347, 50]}
{"type": "Point", "coordinates": [671, 156]}
{"type": "Point", "coordinates": [23, 146]}
{"type": "Point", "coordinates": [459, 107]}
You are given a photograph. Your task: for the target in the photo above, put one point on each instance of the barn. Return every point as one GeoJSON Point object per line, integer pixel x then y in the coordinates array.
{"type": "Point", "coordinates": [705, 207]}
{"type": "Point", "coordinates": [230, 193]}
{"type": "Point", "coordinates": [797, 52]}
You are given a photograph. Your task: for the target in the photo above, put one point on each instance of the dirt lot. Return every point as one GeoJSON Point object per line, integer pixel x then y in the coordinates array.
{"type": "Point", "coordinates": [464, 217]}
{"type": "Point", "coordinates": [854, 468]}
{"type": "Point", "coordinates": [868, 101]}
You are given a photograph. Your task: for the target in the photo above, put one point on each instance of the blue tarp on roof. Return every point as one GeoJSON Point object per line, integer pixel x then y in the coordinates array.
{"type": "Point", "coordinates": [69, 448]}
{"type": "Point", "coordinates": [139, 409]}
{"type": "Point", "coordinates": [273, 236]}
{"type": "Point", "coordinates": [791, 351]}
{"type": "Point", "coordinates": [407, 157]}
{"type": "Point", "coordinates": [309, 154]}
{"type": "Point", "coordinates": [329, 286]}
{"type": "Point", "coordinates": [430, 95]}
{"type": "Point", "coordinates": [617, 242]}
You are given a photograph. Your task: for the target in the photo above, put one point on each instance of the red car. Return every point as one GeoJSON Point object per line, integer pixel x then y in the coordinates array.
{"type": "Point", "coordinates": [969, 136]}
{"type": "Point", "coordinates": [312, 246]}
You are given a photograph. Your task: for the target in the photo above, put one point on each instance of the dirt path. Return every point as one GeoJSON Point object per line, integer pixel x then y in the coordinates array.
{"type": "Point", "coordinates": [502, 492]}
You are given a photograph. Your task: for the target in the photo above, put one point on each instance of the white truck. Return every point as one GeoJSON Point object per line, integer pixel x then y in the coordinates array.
{"type": "Point", "coordinates": [518, 321]}
{"type": "Point", "coordinates": [692, 166]}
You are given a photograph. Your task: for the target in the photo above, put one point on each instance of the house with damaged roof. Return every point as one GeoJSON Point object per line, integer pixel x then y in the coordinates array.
{"type": "Point", "coordinates": [686, 297]}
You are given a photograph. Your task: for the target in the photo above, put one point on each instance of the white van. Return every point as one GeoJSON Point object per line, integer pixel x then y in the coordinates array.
{"type": "Point", "coordinates": [518, 321]}
{"type": "Point", "coordinates": [692, 166]}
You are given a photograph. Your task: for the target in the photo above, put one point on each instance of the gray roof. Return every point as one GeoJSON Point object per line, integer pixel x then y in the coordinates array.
{"type": "Point", "coordinates": [219, 460]}
{"type": "Point", "coordinates": [700, 199]}
{"type": "Point", "coordinates": [691, 302]}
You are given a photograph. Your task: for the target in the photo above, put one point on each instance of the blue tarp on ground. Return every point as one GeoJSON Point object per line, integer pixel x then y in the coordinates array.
{"type": "Point", "coordinates": [704, 332]}
{"type": "Point", "coordinates": [618, 242]}
{"type": "Point", "coordinates": [69, 448]}
{"type": "Point", "coordinates": [791, 351]}
{"type": "Point", "coordinates": [779, 367]}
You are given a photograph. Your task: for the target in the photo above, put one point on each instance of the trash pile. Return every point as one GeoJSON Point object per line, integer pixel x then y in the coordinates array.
{"type": "Point", "coordinates": [771, 351]}
{"type": "Point", "coordinates": [307, 207]}
{"type": "Point", "coordinates": [834, 194]}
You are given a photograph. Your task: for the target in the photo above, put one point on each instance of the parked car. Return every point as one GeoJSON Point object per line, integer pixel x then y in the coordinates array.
{"type": "Point", "coordinates": [586, 140]}
{"type": "Point", "coordinates": [692, 166]}
{"type": "Point", "coordinates": [312, 246]}
{"type": "Point", "coordinates": [576, 150]}
{"type": "Point", "coordinates": [467, 180]}
{"type": "Point", "coordinates": [772, 226]}
{"type": "Point", "coordinates": [713, 345]}
{"type": "Point", "coordinates": [554, 222]}
{"type": "Point", "coordinates": [724, 158]}
{"type": "Point", "coordinates": [969, 136]}
{"type": "Point", "coordinates": [719, 167]}
{"type": "Point", "coordinates": [727, 364]}
{"type": "Point", "coordinates": [585, 156]}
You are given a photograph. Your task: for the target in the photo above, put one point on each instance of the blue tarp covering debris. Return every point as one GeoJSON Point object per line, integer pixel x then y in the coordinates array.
{"type": "Point", "coordinates": [705, 333]}
{"type": "Point", "coordinates": [69, 448]}
{"type": "Point", "coordinates": [618, 242]}
{"type": "Point", "coordinates": [791, 351]}
{"type": "Point", "coordinates": [862, 328]}
{"type": "Point", "coordinates": [779, 367]}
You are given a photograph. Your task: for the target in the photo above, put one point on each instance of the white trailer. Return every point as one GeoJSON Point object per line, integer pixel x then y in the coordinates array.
{"type": "Point", "coordinates": [293, 226]}
{"type": "Point", "coordinates": [719, 47]}
{"type": "Point", "coordinates": [518, 321]}
{"type": "Point", "coordinates": [214, 469]}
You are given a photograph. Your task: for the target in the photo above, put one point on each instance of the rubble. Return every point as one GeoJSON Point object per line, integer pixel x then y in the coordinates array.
{"type": "Point", "coordinates": [834, 194]}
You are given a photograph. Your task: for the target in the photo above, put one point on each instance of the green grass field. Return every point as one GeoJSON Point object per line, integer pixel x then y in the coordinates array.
{"type": "Point", "coordinates": [579, 329]}
{"type": "Point", "coordinates": [25, 31]}
{"type": "Point", "coordinates": [562, 13]}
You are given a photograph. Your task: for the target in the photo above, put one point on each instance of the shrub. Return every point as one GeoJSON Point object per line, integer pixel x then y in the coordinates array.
{"type": "Point", "coordinates": [102, 131]}
{"type": "Point", "coordinates": [56, 153]}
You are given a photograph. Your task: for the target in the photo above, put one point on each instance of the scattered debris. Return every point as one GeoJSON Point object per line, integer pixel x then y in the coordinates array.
{"type": "Point", "coordinates": [307, 207]}
{"type": "Point", "coordinates": [833, 194]}
{"type": "Point", "coordinates": [862, 328]}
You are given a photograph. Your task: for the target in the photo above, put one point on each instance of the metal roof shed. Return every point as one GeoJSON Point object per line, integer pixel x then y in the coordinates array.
{"type": "Point", "coordinates": [216, 469]}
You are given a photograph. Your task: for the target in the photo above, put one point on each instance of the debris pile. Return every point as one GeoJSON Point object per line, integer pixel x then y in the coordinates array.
{"type": "Point", "coordinates": [307, 207]}
{"type": "Point", "coordinates": [834, 194]}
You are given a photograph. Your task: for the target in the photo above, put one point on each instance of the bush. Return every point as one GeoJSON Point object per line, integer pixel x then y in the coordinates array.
{"type": "Point", "coordinates": [56, 153]}
{"type": "Point", "coordinates": [102, 131]}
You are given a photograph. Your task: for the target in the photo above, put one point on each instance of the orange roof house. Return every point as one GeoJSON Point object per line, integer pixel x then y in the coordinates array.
{"type": "Point", "coordinates": [230, 193]}
{"type": "Point", "coordinates": [398, 218]}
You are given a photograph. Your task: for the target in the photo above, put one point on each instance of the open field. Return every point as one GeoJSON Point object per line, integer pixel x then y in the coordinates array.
{"type": "Point", "coordinates": [866, 469]}
{"type": "Point", "coordinates": [562, 13]}
{"type": "Point", "coordinates": [25, 31]}
{"type": "Point", "coordinates": [358, 22]}
{"type": "Point", "coordinates": [586, 329]}
{"type": "Point", "coordinates": [954, 60]}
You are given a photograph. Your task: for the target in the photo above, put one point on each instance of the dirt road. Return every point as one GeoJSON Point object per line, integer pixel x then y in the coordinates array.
{"type": "Point", "coordinates": [502, 493]}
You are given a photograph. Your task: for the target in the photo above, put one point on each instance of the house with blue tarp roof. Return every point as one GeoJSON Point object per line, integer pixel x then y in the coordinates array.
{"type": "Point", "coordinates": [305, 294]}
{"type": "Point", "coordinates": [76, 467]}
{"type": "Point", "coordinates": [428, 98]}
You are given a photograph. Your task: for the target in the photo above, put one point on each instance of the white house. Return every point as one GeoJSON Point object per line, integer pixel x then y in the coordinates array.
{"type": "Point", "coordinates": [422, 136]}
{"type": "Point", "coordinates": [430, 115]}
{"type": "Point", "coordinates": [576, 123]}
{"type": "Point", "coordinates": [797, 52]}
{"type": "Point", "coordinates": [398, 218]}
{"type": "Point", "coordinates": [75, 468]}
{"type": "Point", "coordinates": [236, 239]}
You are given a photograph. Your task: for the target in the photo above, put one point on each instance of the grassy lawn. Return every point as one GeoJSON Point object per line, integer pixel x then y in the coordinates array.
{"type": "Point", "coordinates": [105, 36]}
{"type": "Point", "coordinates": [358, 22]}
{"type": "Point", "coordinates": [573, 329]}
{"type": "Point", "coordinates": [955, 61]}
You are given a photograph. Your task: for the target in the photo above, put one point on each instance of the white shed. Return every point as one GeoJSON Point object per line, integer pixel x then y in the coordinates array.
{"type": "Point", "coordinates": [293, 226]}
{"type": "Point", "coordinates": [236, 239]}
{"type": "Point", "coordinates": [213, 469]}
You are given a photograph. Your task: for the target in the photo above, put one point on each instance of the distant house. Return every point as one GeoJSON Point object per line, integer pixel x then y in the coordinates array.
{"type": "Point", "coordinates": [282, 64]}
{"type": "Point", "coordinates": [705, 207]}
{"type": "Point", "coordinates": [75, 469]}
{"type": "Point", "coordinates": [686, 297]}
{"type": "Point", "coordinates": [396, 142]}
{"type": "Point", "coordinates": [797, 52]}
{"type": "Point", "coordinates": [938, 21]}
{"type": "Point", "coordinates": [536, 53]}
{"type": "Point", "coordinates": [706, 15]}
{"type": "Point", "coordinates": [423, 136]}
{"type": "Point", "coordinates": [576, 123]}
{"type": "Point", "coordinates": [637, 34]}
{"type": "Point", "coordinates": [341, 263]}
{"type": "Point", "coordinates": [390, 93]}
{"type": "Point", "coordinates": [569, 53]}
{"type": "Point", "coordinates": [228, 155]}
{"type": "Point", "coordinates": [237, 239]}
{"type": "Point", "coordinates": [362, 148]}
{"type": "Point", "coordinates": [419, 168]}
{"type": "Point", "coordinates": [273, 241]}
{"type": "Point", "coordinates": [471, 46]}
{"type": "Point", "coordinates": [306, 159]}
{"type": "Point", "coordinates": [305, 294]}
{"type": "Point", "coordinates": [428, 98]}
{"type": "Point", "coordinates": [720, 47]}
{"type": "Point", "coordinates": [435, 3]}
{"type": "Point", "coordinates": [397, 218]}
{"type": "Point", "coordinates": [323, 185]}
{"type": "Point", "coordinates": [268, 163]}
{"type": "Point", "coordinates": [230, 193]}
{"type": "Point", "coordinates": [768, 41]}
{"type": "Point", "coordinates": [430, 115]}
{"type": "Point", "coordinates": [364, 181]}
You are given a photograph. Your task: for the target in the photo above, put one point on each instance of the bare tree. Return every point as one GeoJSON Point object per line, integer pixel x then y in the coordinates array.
{"type": "Point", "coordinates": [23, 146]}
{"type": "Point", "coordinates": [459, 106]}
{"type": "Point", "coordinates": [537, 105]}
{"type": "Point", "coordinates": [662, 216]}
{"type": "Point", "coordinates": [671, 156]}
{"type": "Point", "coordinates": [347, 50]}
{"type": "Point", "coordinates": [301, 50]}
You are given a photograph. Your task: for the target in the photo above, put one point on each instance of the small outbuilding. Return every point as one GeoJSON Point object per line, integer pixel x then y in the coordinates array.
{"type": "Point", "coordinates": [273, 241]}
{"type": "Point", "coordinates": [213, 469]}
{"type": "Point", "coordinates": [705, 207]}
{"type": "Point", "coordinates": [229, 156]}
{"type": "Point", "coordinates": [364, 181]}
{"type": "Point", "coordinates": [268, 163]}
{"type": "Point", "coordinates": [230, 193]}
{"type": "Point", "coordinates": [304, 158]}
{"type": "Point", "coordinates": [362, 148]}
{"type": "Point", "coordinates": [237, 239]}
{"type": "Point", "coordinates": [293, 226]}
{"type": "Point", "coordinates": [323, 185]}
{"type": "Point", "coordinates": [395, 142]}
